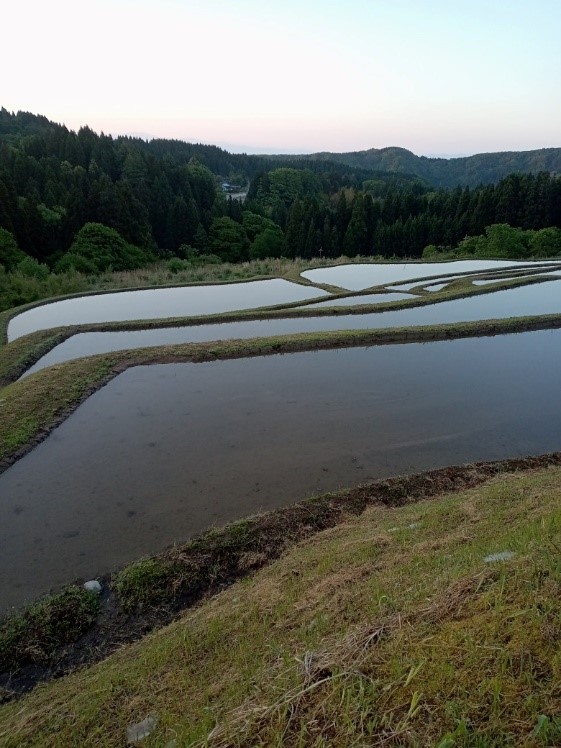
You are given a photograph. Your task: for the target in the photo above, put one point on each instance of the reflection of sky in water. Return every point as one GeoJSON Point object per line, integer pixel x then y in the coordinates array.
{"type": "Point", "coordinates": [160, 303]}
{"type": "Point", "coordinates": [543, 298]}
{"type": "Point", "coordinates": [360, 276]}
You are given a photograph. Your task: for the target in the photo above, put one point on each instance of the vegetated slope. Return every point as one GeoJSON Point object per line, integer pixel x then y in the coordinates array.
{"type": "Point", "coordinates": [436, 623]}
{"type": "Point", "coordinates": [469, 171]}
{"type": "Point", "coordinates": [45, 138]}
{"type": "Point", "coordinates": [164, 201]}
{"type": "Point", "coordinates": [159, 195]}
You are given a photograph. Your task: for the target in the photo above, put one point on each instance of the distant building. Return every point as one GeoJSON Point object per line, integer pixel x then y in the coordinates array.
{"type": "Point", "coordinates": [228, 187]}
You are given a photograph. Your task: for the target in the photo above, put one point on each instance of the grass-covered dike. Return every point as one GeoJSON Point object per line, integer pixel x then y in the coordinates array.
{"type": "Point", "coordinates": [417, 611]}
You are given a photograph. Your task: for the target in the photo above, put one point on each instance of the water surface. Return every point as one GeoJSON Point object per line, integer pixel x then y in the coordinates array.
{"type": "Point", "coordinates": [501, 276]}
{"type": "Point", "coordinates": [165, 451]}
{"type": "Point", "coordinates": [159, 303]}
{"type": "Point", "coordinates": [360, 276]}
{"type": "Point", "coordinates": [543, 298]}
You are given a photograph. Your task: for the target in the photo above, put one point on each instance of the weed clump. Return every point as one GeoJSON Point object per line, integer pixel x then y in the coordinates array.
{"type": "Point", "coordinates": [33, 635]}
{"type": "Point", "coordinates": [144, 583]}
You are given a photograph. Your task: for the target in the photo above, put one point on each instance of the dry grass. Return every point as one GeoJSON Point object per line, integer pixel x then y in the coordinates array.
{"type": "Point", "coordinates": [357, 637]}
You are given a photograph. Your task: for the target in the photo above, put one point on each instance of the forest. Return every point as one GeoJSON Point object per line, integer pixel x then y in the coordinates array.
{"type": "Point", "coordinates": [91, 203]}
{"type": "Point", "coordinates": [469, 171]}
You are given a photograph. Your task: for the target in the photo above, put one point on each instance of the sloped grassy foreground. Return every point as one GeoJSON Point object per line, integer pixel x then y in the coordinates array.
{"type": "Point", "coordinates": [407, 626]}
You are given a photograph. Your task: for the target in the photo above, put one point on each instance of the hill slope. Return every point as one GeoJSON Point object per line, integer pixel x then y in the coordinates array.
{"type": "Point", "coordinates": [483, 168]}
{"type": "Point", "coordinates": [398, 627]}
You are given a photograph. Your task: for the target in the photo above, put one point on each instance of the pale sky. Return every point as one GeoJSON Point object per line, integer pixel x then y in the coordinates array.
{"type": "Point", "coordinates": [434, 76]}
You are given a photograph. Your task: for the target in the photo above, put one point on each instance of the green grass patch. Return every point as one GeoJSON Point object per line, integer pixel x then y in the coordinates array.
{"type": "Point", "coordinates": [29, 407]}
{"type": "Point", "coordinates": [33, 635]}
{"type": "Point", "coordinates": [17, 356]}
{"type": "Point", "coordinates": [214, 558]}
{"type": "Point", "coordinates": [146, 582]}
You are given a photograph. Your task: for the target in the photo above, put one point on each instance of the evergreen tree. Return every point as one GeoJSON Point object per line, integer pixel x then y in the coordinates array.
{"type": "Point", "coordinates": [182, 223]}
{"type": "Point", "coordinates": [356, 235]}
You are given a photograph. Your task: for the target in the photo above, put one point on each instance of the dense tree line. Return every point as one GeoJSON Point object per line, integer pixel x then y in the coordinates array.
{"type": "Point", "coordinates": [502, 240]}
{"type": "Point", "coordinates": [67, 198]}
{"type": "Point", "coordinates": [158, 195]}
{"type": "Point", "coordinates": [53, 184]}
{"type": "Point", "coordinates": [401, 222]}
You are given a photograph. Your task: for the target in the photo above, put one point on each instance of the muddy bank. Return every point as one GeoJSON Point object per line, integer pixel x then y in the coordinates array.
{"type": "Point", "coordinates": [204, 566]}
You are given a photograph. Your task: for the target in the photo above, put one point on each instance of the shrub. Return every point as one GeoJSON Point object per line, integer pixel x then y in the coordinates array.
{"type": "Point", "coordinates": [175, 265]}
{"type": "Point", "coordinates": [143, 583]}
{"type": "Point", "coordinates": [97, 248]}
{"type": "Point", "coordinates": [33, 269]}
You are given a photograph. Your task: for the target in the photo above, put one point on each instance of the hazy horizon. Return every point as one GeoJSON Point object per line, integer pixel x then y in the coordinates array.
{"type": "Point", "coordinates": [251, 150]}
{"type": "Point", "coordinates": [434, 78]}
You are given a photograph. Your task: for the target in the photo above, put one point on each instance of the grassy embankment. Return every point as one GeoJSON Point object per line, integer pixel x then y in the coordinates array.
{"type": "Point", "coordinates": [387, 629]}
{"type": "Point", "coordinates": [157, 274]}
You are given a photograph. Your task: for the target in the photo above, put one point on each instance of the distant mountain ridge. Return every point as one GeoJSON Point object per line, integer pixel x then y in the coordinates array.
{"type": "Point", "coordinates": [469, 171]}
{"type": "Point", "coordinates": [466, 171]}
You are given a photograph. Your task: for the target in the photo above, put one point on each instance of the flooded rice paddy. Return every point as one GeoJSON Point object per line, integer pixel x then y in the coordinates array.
{"type": "Point", "coordinates": [361, 276]}
{"type": "Point", "coordinates": [163, 452]}
{"type": "Point", "coordinates": [537, 299]}
{"type": "Point", "coordinates": [186, 301]}
{"type": "Point", "coordinates": [160, 303]}
{"type": "Point", "coordinates": [498, 276]}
